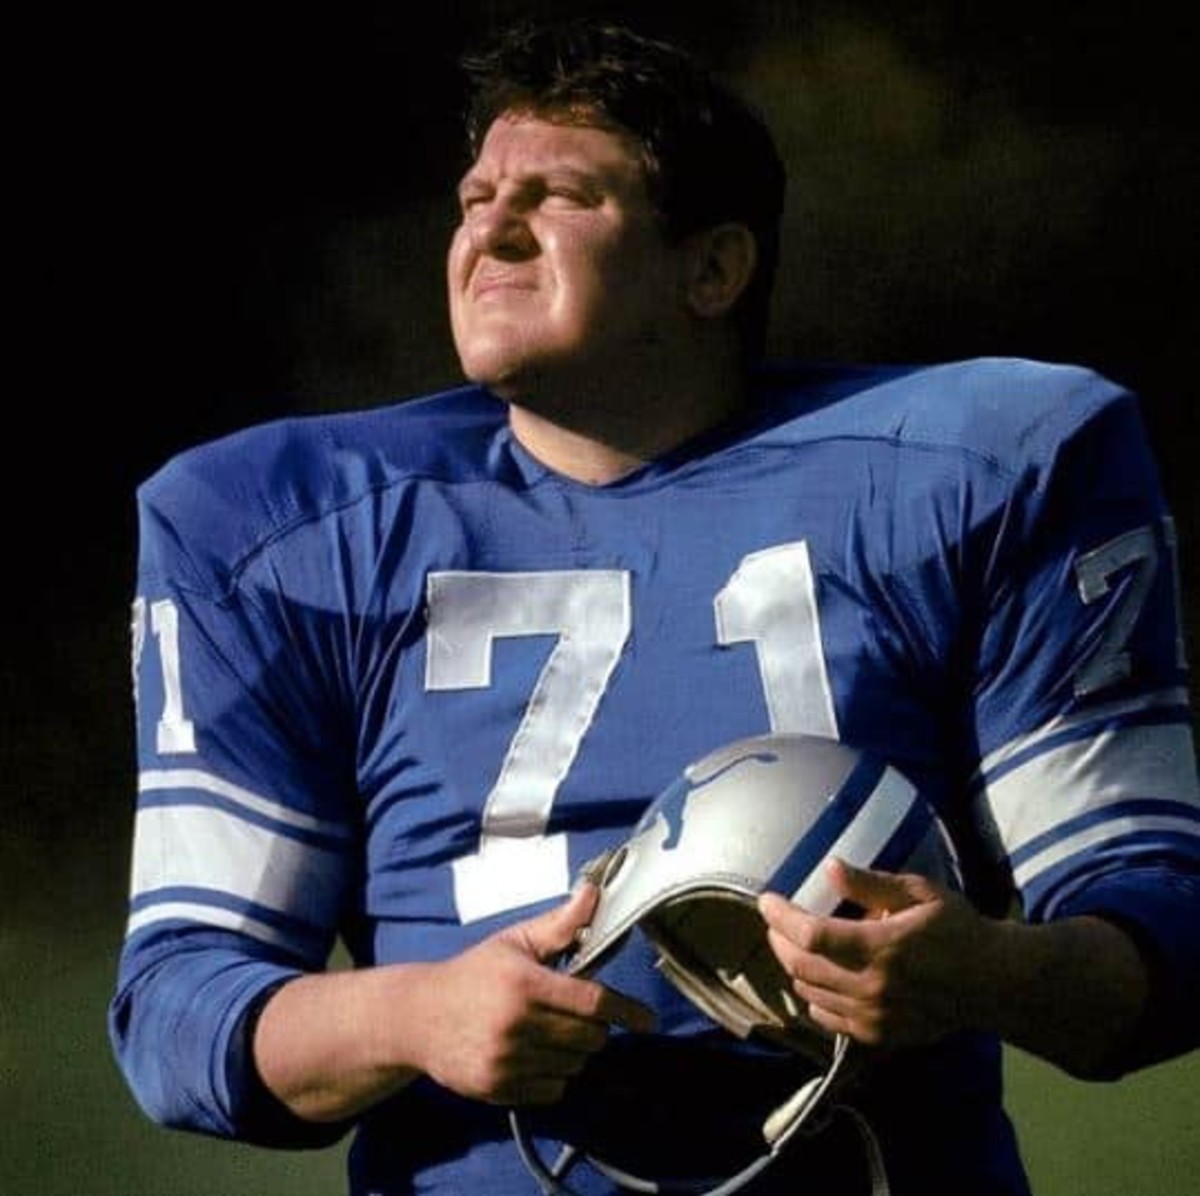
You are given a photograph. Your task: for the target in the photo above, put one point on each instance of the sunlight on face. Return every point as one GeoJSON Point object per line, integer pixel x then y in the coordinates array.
{"type": "Point", "coordinates": [559, 263]}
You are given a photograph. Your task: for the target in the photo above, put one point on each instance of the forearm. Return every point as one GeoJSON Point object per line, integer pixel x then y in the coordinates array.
{"type": "Point", "coordinates": [1072, 992]}
{"type": "Point", "coordinates": [330, 1045]}
{"type": "Point", "coordinates": [493, 1023]}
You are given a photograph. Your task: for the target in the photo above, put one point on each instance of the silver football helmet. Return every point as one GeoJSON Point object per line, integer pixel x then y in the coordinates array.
{"type": "Point", "coordinates": [761, 814]}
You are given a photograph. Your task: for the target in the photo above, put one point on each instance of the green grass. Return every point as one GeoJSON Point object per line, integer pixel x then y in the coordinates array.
{"type": "Point", "coordinates": [1139, 1136]}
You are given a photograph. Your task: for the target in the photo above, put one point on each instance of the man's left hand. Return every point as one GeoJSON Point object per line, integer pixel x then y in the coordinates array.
{"type": "Point", "coordinates": [893, 978]}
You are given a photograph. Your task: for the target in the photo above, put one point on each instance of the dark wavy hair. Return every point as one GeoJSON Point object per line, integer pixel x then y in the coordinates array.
{"type": "Point", "coordinates": [708, 156]}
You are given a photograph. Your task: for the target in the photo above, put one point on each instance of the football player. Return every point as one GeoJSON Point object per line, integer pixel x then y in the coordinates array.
{"type": "Point", "coordinates": [401, 673]}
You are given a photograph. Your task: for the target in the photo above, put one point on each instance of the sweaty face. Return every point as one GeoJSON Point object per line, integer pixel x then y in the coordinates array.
{"type": "Point", "coordinates": [559, 267]}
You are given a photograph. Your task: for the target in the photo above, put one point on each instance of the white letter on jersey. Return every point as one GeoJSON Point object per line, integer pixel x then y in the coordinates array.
{"type": "Point", "coordinates": [1137, 552]}
{"type": "Point", "coordinates": [589, 611]}
{"type": "Point", "coordinates": [175, 732]}
{"type": "Point", "coordinates": [771, 600]}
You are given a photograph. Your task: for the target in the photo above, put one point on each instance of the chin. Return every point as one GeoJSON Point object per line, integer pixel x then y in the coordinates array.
{"type": "Point", "coordinates": [510, 375]}
{"type": "Point", "coordinates": [484, 371]}
{"type": "Point", "coordinates": [490, 359]}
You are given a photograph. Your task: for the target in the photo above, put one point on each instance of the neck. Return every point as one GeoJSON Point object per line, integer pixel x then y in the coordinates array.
{"type": "Point", "coordinates": [579, 455]}
{"type": "Point", "coordinates": [601, 441]}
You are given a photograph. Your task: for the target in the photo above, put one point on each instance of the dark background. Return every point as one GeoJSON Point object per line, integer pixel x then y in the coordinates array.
{"type": "Point", "coordinates": [224, 213]}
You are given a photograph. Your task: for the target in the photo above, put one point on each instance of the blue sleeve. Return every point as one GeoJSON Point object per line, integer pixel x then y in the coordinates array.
{"type": "Point", "coordinates": [181, 1026]}
{"type": "Point", "coordinates": [245, 841]}
{"type": "Point", "coordinates": [1088, 785]}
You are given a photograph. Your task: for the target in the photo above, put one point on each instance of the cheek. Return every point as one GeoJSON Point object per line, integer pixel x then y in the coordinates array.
{"type": "Point", "coordinates": [630, 281]}
{"type": "Point", "coordinates": [596, 274]}
{"type": "Point", "coordinates": [454, 274]}
{"type": "Point", "coordinates": [454, 256]}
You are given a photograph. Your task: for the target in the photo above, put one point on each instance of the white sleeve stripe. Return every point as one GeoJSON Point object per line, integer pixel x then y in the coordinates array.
{"type": "Point", "coordinates": [1149, 763]}
{"type": "Point", "coordinates": [205, 847]}
{"type": "Point", "coordinates": [1165, 699]}
{"type": "Point", "coordinates": [210, 915]}
{"type": "Point", "coordinates": [155, 780]}
{"type": "Point", "coordinates": [1104, 832]}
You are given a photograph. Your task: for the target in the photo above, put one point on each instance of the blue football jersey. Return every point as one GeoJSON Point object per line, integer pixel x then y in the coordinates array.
{"type": "Point", "coordinates": [396, 681]}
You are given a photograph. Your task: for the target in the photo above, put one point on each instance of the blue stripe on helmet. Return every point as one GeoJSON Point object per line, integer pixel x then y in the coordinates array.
{"type": "Point", "coordinates": [899, 849]}
{"type": "Point", "coordinates": [842, 809]}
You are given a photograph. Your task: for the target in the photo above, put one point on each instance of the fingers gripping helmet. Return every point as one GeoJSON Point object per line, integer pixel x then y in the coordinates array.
{"type": "Point", "coordinates": [761, 814]}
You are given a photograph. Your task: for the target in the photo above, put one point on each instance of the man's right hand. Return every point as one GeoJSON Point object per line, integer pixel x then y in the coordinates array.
{"type": "Point", "coordinates": [506, 1028]}
{"type": "Point", "coordinates": [497, 1023]}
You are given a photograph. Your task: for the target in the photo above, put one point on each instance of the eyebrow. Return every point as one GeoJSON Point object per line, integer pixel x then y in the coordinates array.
{"type": "Point", "coordinates": [586, 179]}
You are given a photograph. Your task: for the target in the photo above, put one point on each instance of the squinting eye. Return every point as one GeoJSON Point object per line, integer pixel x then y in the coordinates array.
{"type": "Point", "coordinates": [469, 200]}
{"type": "Point", "coordinates": [569, 196]}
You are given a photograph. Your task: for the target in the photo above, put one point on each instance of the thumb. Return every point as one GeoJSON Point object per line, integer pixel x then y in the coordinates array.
{"type": "Point", "coordinates": [878, 893]}
{"type": "Point", "coordinates": [553, 931]}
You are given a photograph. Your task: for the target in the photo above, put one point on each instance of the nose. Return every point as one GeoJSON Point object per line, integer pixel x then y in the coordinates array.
{"type": "Point", "coordinates": [498, 228]}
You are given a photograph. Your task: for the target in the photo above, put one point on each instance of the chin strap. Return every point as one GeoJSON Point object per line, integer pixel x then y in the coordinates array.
{"type": "Point", "coordinates": [778, 1129]}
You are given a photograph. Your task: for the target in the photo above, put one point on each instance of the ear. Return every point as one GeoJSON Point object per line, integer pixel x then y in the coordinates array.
{"type": "Point", "coordinates": [721, 263]}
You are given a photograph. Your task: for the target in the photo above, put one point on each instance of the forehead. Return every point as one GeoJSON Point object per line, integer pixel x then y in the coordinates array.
{"type": "Point", "coordinates": [520, 144]}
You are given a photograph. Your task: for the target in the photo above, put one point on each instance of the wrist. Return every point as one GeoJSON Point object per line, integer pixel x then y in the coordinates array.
{"type": "Point", "coordinates": [1072, 991]}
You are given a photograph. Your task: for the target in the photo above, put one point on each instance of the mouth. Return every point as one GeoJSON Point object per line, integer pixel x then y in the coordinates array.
{"type": "Point", "coordinates": [498, 283]}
